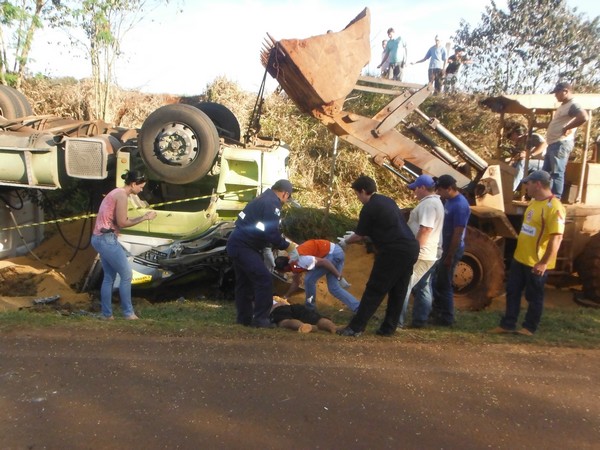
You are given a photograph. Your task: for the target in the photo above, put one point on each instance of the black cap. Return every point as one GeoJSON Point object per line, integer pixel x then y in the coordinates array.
{"type": "Point", "coordinates": [283, 186]}
{"type": "Point", "coordinates": [562, 86]}
{"type": "Point", "coordinates": [445, 181]}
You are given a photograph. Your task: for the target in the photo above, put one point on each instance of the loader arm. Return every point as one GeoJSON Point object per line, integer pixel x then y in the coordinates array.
{"type": "Point", "coordinates": [319, 72]}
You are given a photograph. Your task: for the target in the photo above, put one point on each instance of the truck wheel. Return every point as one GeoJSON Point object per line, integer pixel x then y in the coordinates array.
{"type": "Point", "coordinates": [26, 108]}
{"type": "Point", "coordinates": [587, 266]}
{"type": "Point", "coordinates": [479, 275]}
{"type": "Point", "coordinates": [225, 121]}
{"type": "Point", "coordinates": [10, 106]}
{"type": "Point", "coordinates": [178, 143]}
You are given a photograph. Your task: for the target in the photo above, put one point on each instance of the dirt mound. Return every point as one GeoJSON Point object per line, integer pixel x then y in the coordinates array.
{"type": "Point", "coordinates": [60, 270]}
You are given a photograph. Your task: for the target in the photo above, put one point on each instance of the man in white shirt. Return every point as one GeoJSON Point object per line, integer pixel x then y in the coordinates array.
{"type": "Point", "coordinates": [426, 222]}
{"type": "Point", "coordinates": [561, 136]}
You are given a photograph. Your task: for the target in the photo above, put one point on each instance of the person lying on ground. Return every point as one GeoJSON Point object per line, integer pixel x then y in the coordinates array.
{"type": "Point", "coordinates": [298, 317]}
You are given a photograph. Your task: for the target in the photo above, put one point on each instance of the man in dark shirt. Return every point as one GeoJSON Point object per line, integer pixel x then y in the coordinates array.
{"type": "Point", "coordinates": [256, 228]}
{"type": "Point", "coordinates": [396, 253]}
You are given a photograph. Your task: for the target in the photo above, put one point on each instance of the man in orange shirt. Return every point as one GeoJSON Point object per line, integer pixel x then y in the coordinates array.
{"type": "Point", "coordinates": [318, 257]}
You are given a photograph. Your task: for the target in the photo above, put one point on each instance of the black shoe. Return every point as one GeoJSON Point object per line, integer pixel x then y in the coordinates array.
{"type": "Point", "coordinates": [263, 323]}
{"type": "Point", "coordinates": [348, 332]}
{"type": "Point", "coordinates": [440, 322]}
{"type": "Point", "coordinates": [380, 332]}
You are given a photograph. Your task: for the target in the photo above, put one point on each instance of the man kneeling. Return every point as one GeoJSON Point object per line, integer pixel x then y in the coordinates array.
{"type": "Point", "coordinates": [298, 317]}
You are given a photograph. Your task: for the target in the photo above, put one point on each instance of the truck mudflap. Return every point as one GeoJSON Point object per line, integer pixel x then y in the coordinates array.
{"type": "Point", "coordinates": [319, 72]}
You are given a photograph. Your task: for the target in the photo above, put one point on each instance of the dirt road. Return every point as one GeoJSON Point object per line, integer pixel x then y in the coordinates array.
{"type": "Point", "coordinates": [101, 389]}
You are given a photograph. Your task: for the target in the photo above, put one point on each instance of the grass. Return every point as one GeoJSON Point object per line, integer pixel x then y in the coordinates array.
{"type": "Point", "coordinates": [577, 327]}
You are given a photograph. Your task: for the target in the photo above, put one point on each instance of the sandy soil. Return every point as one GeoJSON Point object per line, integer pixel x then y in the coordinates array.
{"type": "Point", "coordinates": [24, 279]}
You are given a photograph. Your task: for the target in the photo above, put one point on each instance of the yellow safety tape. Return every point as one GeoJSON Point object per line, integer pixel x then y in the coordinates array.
{"type": "Point", "coordinates": [89, 216]}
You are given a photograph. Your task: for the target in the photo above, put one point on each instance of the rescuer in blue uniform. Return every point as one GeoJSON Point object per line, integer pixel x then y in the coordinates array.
{"type": "Point", "coordinates": [257, 228]}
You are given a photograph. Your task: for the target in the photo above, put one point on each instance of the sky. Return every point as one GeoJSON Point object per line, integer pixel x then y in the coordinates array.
{"type": "Point", "coordinates": [181, 48]}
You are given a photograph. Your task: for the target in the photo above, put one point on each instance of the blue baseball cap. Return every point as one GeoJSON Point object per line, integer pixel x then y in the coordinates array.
{"type": "Point", "coordinates": [422, 180]}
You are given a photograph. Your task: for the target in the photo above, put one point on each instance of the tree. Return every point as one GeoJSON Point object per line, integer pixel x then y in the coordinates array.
{"type": "Point", "coordinates": [25, 17]}
{"type": "Point", "coordinates": [105, 24]}
{"type": "Point", "coordinates": [529, 46]}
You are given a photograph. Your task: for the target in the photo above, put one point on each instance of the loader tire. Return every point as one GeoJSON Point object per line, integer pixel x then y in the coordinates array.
{"type": "Point", "coordinates": [225, 121]}
{"type": "Point", "coordinates": [10, 106]}
{"type": "Point", "coordinates": [179, 143]}
{"type": "Point", "coordinates": [479, 276]}
{"type": "Point", "coordinates": [587, 266]}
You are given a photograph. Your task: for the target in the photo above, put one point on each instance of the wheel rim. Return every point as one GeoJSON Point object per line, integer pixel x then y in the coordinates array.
{"type": "Point", "coordinates": [468, 274]}
{"type": "Point", "coordinates": [177, 145]}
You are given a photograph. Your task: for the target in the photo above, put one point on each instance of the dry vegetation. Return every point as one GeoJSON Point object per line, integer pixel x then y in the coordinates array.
{"type": "Point", "coordinates": [311, 143]}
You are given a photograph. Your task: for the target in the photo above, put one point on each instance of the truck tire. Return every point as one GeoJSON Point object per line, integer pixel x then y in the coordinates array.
{"type": "Point", "coordinates": [179, 143]}
{"type": "Point", "coordinates": [10, 106]}
{"type": "Point", "coordinates": [225, 121]}
{"type": "Point", "coordinates": [479, 276]}
{"type": "Point", "coordinates": [587, 266]}
{"type": "Point", "coordinates": [26, 108]}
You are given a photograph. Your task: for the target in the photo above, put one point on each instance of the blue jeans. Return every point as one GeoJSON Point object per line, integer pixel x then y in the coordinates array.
{"type": "Point", "coordinates": [423, 297]}
{"type": "Point", "coordinates": [419, 287]}
{"type": "Point", "coordinates": [336, 258]}
{"type": "Point", "coordinates": [443, 291]}
{"type": "Point", "coordinates": [555, 163]}
{"type": "Point", "coordinates": [521, 278]}
{"type": "Point", "coordinates": [534, 164]}
{"type": "Point", "coordinates": [114, 261]}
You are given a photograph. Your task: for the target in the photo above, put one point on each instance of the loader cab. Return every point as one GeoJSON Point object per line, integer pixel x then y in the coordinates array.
{"type": "Point", "coordinates": [534, 112]}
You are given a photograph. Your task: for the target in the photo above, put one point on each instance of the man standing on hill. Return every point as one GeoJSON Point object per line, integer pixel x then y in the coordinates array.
{"type": "Point", "coordinates": [456, 218]}
{"type": "Point", "coordinates": [537, 247]}
{"type": "Point", "coordinates": [257, 227]}
{"type": "Point", "coordinates": [395, 55]}
{"type": "Point", "coordinates": [437, 64]}
{"type": "Point", "coordinates": [396, 253]}
{"type": "Point", "coordinates": [561, 136]}
{"type": "Point", "coordinates": [425, 221]}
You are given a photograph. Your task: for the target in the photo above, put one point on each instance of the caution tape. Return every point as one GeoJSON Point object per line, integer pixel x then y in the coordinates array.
{"type": "Point", "coordinates": [90, 216]}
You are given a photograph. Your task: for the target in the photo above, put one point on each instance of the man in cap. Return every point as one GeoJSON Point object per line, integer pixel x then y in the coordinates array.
{"type": "Point", "coordinates": [256, 229]}
{"type": "Point", "coordinates": [456, 217]}
{"type": "Point", "coordinates": [425, 221]}
{"type": "Point", "coordinates": [561, 135]}
{"type": "Point", "coordinates": [397, 251]}
{"type": "Point", "coordinates": [454, 62]}
{"type": "Point", "coordinates": [537, 247]}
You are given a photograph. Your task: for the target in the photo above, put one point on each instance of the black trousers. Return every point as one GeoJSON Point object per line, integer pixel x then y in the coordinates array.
{"type": "Point", "coordinates": [390, 275]}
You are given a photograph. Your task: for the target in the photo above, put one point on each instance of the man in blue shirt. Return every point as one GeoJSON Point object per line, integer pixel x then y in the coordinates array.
{"type": "Point", "coordinates": [437, 64]}
{"type": "Point", "coordinates": [395, 55]}
{"type": "Point", "coordinates": [256, 228]}
{"type": "Point", "coordinates": [456, 218]}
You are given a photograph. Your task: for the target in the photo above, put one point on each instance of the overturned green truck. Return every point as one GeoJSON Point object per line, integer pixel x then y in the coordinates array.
{"type": "Point", "coordinates": [201, 175]}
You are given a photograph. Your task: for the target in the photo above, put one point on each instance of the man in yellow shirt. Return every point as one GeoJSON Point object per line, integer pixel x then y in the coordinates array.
{"type": "Point", "coordinates": [537, 247]}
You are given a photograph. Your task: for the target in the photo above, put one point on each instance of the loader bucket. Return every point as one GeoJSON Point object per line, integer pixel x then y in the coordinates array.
{"type": "Point", "coordinates": [320, 71]}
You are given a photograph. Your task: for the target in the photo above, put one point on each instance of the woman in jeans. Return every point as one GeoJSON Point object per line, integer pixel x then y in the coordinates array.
{"type": "Point", "coordinates": [112, 216]}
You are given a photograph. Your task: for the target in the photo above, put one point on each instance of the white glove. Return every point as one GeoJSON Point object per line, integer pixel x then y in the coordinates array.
{"type": "Point", "coordinates": [343, 283]}
{"type": "Point", "coordinates": [293, 255]}
{"type": "Point", "coordinates": [348, 234]}
{"type": "Point", "coordinates": [268, 258]}
{"type": "Point", "coordinates": [342, 243]}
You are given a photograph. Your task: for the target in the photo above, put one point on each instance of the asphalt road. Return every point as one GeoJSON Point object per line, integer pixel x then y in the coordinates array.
{"type": "Point", "coordinates": [101, 389]}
